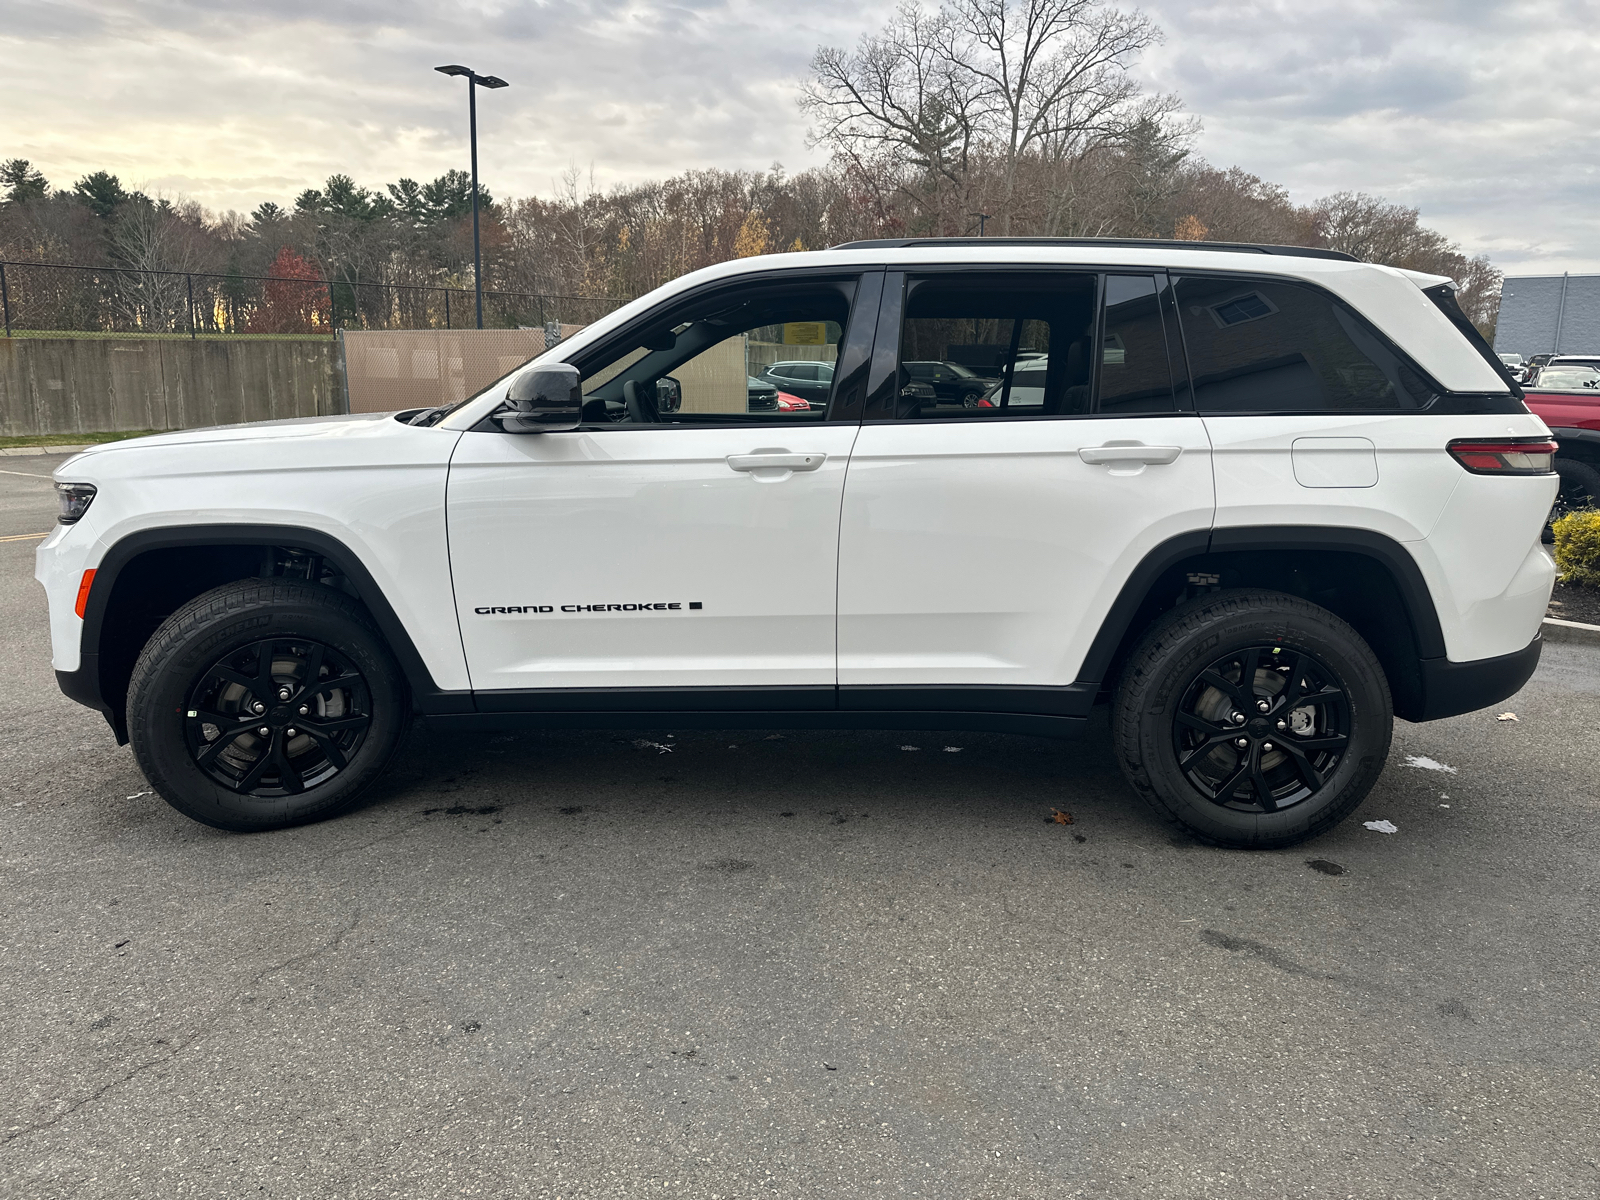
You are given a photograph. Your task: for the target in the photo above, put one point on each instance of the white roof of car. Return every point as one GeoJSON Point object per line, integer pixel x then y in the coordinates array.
{"type": "Point", "coordinates": [1389, 297]}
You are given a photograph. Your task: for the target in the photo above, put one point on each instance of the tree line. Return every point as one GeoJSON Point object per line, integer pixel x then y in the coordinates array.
{"type": "Point", "coordinates": [1016, 117]}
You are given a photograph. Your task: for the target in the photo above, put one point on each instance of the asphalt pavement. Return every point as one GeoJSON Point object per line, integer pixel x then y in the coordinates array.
{"type": "Point", "coordinates": [748, 964]}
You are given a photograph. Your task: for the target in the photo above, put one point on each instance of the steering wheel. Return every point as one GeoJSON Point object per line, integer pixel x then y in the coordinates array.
{"type": "Point", "coordinates": [641, 405]}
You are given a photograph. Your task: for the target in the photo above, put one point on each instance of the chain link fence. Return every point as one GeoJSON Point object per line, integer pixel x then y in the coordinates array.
{"type": "Point", "coordinates": [46, 299]}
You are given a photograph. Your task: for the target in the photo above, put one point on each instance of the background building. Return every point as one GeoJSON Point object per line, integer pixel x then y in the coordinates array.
{"type": "Point", "coordinates": [1541, 314]}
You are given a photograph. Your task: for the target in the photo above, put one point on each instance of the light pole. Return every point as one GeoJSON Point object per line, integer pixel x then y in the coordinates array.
{"type": "Point", "coordinates": [473, 82]}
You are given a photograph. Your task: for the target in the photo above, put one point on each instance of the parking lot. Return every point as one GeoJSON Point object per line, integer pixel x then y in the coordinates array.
{"type": "Point", "coordinates": [803, 964]}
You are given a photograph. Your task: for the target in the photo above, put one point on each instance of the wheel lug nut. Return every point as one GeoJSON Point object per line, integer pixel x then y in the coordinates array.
{"type": "Point", "coordinates": [304, 709]}
{"type": "Point", "coordinates": [1263, 705]}
{"type": "Point", "coordinates": [1265, 746]}
{"type": "Point", "coordinates": [289, 732]}
{"type": "Point", "coordinates": [284, 693]}
{"type": "Point", "coordinates": [1283, 725]}
{"type": "Point", "coordinates": [264, 731]}
{"type": "Point", "coordinates": [1242, 743]}
{"type": "Point", "coordinates": [258, 707]}
{"type": "Point", "coordinates": [1238, 718]}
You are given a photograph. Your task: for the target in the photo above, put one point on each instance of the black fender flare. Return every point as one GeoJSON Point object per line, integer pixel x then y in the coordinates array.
{"type": "Point", "coordinates": [1387, 552]}
{"type": "Point", "coordinates": [84, 685]}
{"type": "Point", "coordinates": [1589, 439]}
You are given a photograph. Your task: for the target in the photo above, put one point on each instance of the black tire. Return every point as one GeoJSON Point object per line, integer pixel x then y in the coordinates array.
{"type": "Point", "coordinates": [333, 701]}
{"type": "Point", "coordinates": [1580, 489]}
{"type": "Point", "coordinates": [1169, 704]}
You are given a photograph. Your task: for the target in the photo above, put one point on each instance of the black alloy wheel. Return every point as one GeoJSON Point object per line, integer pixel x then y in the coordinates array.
{"type": "Point", "coordinates": [1261, 729]}
{"type": "Point", "coordinates": [266, 703]}
{"type": "Point", "coordinates": [277, 717]}
{"type": "Point", "coordinates": [1252, 718]}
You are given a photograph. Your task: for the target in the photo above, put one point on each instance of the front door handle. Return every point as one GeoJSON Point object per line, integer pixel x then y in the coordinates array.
{"type": "Point", "coordinates": [775, 460]}
{"type": "Point", "coordinates": [1124, 453]}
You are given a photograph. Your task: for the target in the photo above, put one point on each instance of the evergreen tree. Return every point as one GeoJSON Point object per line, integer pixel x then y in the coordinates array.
{"type": "Point", "coordinates": [22, 182]}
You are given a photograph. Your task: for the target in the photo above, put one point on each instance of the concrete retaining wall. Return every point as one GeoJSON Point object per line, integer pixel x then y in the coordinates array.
{"type": "Point", "coordinates": [94, 385]}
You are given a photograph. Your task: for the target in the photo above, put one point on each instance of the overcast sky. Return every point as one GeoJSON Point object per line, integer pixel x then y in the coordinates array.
{"type": "Point", "coordinates": [1485, 115]}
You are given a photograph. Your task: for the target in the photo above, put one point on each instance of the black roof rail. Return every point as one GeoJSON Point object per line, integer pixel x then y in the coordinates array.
{"type": "Point", "coordinates": [1124, 243]}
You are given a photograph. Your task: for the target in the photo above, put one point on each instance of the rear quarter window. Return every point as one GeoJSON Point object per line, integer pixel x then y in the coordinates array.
{"type": "Point", "coordinates": [1256, 346]}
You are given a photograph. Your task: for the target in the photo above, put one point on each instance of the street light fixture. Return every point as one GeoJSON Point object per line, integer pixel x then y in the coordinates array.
{"type": "Point", "coordinates": [474, 81]}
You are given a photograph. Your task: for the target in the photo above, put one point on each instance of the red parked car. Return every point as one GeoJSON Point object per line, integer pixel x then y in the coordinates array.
{"type": "Point", "coordinates": [1566, 395]}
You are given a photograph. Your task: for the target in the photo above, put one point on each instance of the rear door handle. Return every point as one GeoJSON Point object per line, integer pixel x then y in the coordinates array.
{"type": "Point", "coordinates": [767, 460]}
{"type": "Point", "coordinates": [1118, 453]}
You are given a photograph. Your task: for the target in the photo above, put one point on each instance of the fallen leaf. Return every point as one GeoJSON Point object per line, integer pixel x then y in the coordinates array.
{"type": "Point", "coordinates": [1506, 717]}
{"type": "Point", "coordinates": [1060, 818]}
{"type": "Point", "coordinates": [954, 749]}
{"type": "Point", "coordinates": [1382, 826]}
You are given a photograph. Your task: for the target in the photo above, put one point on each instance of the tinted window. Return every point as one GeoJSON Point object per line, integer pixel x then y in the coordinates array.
{"type": "Point", "coordinates": [992, 346]}
{"type": "Point", "coordinates": [1287, 347]}
{"type": "Point", "coordinates": [1134, 375]}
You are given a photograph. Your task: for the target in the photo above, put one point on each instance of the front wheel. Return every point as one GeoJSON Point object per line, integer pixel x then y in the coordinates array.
{"type": "Point", "coordinates": [263, 704]}
{"type": "Point", "coordinates": [1253, 719]}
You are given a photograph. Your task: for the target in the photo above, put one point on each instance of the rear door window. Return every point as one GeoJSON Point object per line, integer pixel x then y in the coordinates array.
{"type": "Point", "coordinates": [995, 346]}
{"type": "Point", "coordinates": [1259, 346]}
{"type": "Point", "coordinates": [1134, 373]}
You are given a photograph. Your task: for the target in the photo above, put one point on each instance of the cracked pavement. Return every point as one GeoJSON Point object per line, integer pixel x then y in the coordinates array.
{"type": "Point", "coordinates": [814, 964]}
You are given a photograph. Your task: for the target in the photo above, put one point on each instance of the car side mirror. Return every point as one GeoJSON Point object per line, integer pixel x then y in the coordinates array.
{"type": "Point", "coordinates": [543, 399]}
{"type": "Point", "coordinates": [669, 395]}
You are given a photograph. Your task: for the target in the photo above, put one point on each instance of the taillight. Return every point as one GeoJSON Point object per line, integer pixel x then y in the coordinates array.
{"type": "Point", "coordinates": [1492, 456]}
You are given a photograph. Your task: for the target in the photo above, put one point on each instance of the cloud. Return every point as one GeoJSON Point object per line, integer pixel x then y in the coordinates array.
{"type": "Point", "coordinates": [241, 102]}
{"type": "Point", "coordinates": [1479, 113]}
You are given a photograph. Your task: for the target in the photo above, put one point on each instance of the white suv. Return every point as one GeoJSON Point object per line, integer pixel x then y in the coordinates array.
{"type": "Point", "coordinates": [1263, 499]}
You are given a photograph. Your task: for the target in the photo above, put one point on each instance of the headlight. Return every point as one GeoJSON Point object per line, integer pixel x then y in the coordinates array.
{"type": "Point", "coordinates": [75, 500]}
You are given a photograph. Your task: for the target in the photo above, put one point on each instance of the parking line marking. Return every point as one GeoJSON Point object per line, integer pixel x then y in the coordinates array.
{"type": "Point", "coordinates": [24, 537]}
{"type": "Point", "coordinates": [27, 474]}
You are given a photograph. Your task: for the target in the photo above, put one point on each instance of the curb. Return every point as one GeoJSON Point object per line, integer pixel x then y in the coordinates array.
{"type": "Point", "coordinates": [11, 450]}
{"type": "Point", "coordinates": [1557, 630]}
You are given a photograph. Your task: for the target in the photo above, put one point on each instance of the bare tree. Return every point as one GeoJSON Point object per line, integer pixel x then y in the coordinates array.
{"type": "Point", "coordinates": [1051, 76]}
{"type": "Point", "coordinates": [159, 241]}
{"type": "Point", "coordinates": [1004, 81]}
{"type": "Point", "coordinates": [900, 106]}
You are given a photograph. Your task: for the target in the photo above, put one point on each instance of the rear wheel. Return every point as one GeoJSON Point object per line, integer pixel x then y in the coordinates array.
{"type": "Point", "coordinates": [263, 704]}
{"type": "Point", "coordinates": [1253, 719]}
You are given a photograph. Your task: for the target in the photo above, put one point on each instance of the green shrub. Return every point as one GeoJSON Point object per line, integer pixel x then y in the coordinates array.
{"type": "Point", "coordinates": [1578, 547]}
